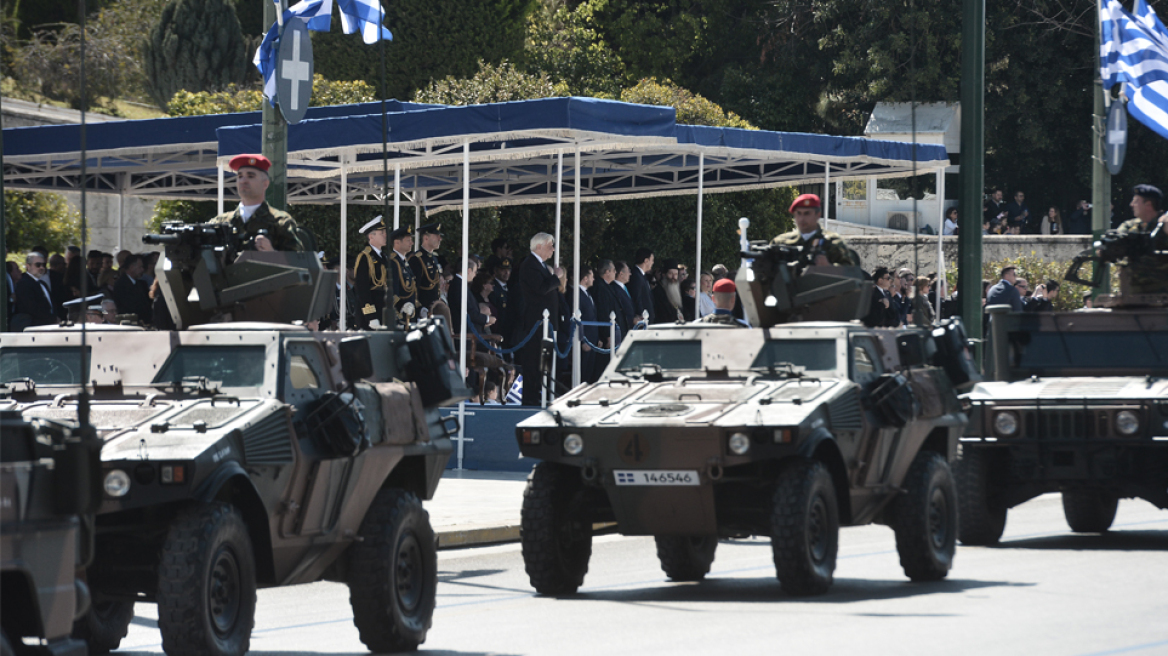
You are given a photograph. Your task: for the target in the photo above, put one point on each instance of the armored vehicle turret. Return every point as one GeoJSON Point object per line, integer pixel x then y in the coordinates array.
{"type": "Point", "coordinates": [241, 455]}
{"type": "Point", "coordinates": [701, 432]}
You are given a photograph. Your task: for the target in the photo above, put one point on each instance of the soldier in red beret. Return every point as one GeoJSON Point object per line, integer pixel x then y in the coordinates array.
{"type": "Point", "coordinates": [264, 227]}
{"type": "Point", "coordinates": [725, 298]}
{"type": "Point", "coordinates": [829, 247]}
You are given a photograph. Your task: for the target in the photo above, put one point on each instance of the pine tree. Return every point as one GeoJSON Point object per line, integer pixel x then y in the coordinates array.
{"type": "Point", "coordinates": [197, 45]}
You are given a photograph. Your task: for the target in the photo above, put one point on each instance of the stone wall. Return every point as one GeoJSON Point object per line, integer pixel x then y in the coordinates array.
{"type": "Point", "coordinates": [920, 253]}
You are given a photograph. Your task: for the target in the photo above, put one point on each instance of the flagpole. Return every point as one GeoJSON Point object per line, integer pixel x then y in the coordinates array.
{"type": "Point", "coordinates": [1100, 176]}
{"type": "Point", "coordinates": [274, 141]}
{"type": "Point", "coordinates": [384, 122]}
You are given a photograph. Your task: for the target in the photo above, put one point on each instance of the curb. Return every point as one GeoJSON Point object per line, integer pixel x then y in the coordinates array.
{"type": "Point", "coordinates": [473, 537]}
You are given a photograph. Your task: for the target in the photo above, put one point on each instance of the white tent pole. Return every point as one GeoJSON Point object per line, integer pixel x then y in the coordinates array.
{"type": "Point", "coordinates": [417, 215]}
{"type": "Point", "coordinates": [463, 329]}
{"type": "Point", "coordinates": [940, 243]}
{"type": "Point", "coordinates": [121, 206]}
{"type": "Point", "coordinates": [343, 272]}
{"type": "Point", "coordinates": [396, 195]}
{"type": "Point", "coordinates": [559, 202]}
{"type": "Point", "coordinates": [826, 193]}
{"type": "Point", "coordinates": [576, 278]}
{"type": "Point", "coordinates": [698, 264]}
{"type": "Point", "coordinates": [220, 167]}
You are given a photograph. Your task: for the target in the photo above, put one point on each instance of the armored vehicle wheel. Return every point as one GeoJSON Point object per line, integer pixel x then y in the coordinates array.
{"type": "Point", "coordinates": [555, 530]}
{"type": "Point", "coordinates": [1089, 511]}
{"type": "Point", "coordinates": [980, 521]}
{"type": "Point", "coordinates": [925, 519]}
{"type": "Point", "coordinates": [805, 528]}
{"type": "Point", "coordinates": [393, 573]}
{"type": "Point", "coordinates": [104, 626]}
{"type": "Point", "coordinates": [207, 583]}
{"type": "Point", "coordinates": [686, 558]}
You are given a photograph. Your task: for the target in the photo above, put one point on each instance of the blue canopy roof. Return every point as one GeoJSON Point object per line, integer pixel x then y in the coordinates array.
{"type": "Point", "coordinates": [626, 151]}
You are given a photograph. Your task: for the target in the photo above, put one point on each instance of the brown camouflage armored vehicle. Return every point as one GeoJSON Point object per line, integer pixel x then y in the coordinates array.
{"type": "Point", "coordinates": [239, 456]}
{"type": "Point", "coordinates": [699, 432]}
{"type": "Point", "coordinates": [48, 484]}
{"type": "Point", "coordinates": [1074, 402]}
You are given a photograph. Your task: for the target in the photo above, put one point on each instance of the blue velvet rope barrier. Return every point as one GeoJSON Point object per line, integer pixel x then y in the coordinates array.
{"type": "Point", "coordinates": [498, 351]}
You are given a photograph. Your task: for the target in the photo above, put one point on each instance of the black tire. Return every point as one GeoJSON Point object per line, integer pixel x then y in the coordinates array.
{"type": "Point", "coordinates": [685, 558]}
{"type": "Point", "coordinates": [555, 530]}
{"type": "Point", "coordinates": [925, 519]}
{"type": "Point", "coordinates": [104, 626]}
{"type": "Point", "coordinates": [393, 573]}
{"type": "Point", "coordinates": [207, 583]}
{"type": "Point", "coordinates": [805, 528]}
{"type": "Point", "coordinates": [1089, 511]}
{"type": "Point", "coordinates": [981, 521]}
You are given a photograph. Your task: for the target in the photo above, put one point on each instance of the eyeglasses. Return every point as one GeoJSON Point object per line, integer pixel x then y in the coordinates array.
{"type": "Point", "coordinates": [37, 264]}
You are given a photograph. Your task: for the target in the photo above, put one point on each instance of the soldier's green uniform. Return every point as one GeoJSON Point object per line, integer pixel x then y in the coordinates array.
{"type": "Point", "coordinates": [829, 243]}
{"type": "Point", "coordinates": [1149, 273]}
{"type": "Point", "coordinates": [280, 226]}
{"type": "Point", "coordinates": [727, 319]}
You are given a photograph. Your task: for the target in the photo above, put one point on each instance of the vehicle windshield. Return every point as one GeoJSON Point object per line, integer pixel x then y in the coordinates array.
{"type": "Point", "coordinates": [231, 366]}
{"type": "Point", "coordinates": [1130, 352]}
{"type": "Point", "coordinates": [665, 354]}
{"type": "Point", "coordinates": [811, 354]}
{"type": "Point", "coordinates": [56, 365]}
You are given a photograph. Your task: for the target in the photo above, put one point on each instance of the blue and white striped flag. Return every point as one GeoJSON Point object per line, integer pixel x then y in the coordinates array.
{"type": "Point", "coordinates": [364, 15]}
{"type": "Point", "coordinates": [515, 394]}
{"type": "Point", "coordinates": [1134, 52]}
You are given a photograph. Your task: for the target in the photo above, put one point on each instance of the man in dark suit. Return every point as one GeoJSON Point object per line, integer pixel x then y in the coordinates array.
{"type": "Point", "coordinates": [1004, 292]}
{"type": "Point", "coordinates": [539, 285]}
{"type": "Point", "coordinates": [638, 286]}
{"type": "Point", "coordinates": [588, 373]}
{"type": "Point", "coordinates": [34, 297]}
{"type": "Point", "coordinates": [130, 292]}
{"type": "Point", "coordinates": [603, 294]}
{"type": "Point", "coordinates": [620, 289]}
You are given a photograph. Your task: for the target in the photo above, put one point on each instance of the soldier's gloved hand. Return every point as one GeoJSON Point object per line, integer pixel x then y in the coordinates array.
{"type": "Point", "coordinates": [423, 313]}
{"type": "Point", "coordinates": [376, 323]}
{"type": "Point", "coordinates": [821, 260]}
{"type": "Point", "coordinates": [408, 309]}
{"type": "Point", "coordinates": [262, 243]}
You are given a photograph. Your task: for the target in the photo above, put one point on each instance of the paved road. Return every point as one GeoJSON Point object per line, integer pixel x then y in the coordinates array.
{"type": "Point", "coordinates": [1043, 591]}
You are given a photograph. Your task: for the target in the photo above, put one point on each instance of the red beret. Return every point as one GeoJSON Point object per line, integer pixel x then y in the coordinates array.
{"type": "Point", "coordinates": [254, 161]}
{"type": "Point", "coordinates": [806, 200]}
{"type": "Point", "coordinates": [725, 286]}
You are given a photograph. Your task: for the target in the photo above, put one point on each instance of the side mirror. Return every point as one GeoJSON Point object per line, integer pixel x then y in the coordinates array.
{"type": "Point", "coordinates": [356, 361]}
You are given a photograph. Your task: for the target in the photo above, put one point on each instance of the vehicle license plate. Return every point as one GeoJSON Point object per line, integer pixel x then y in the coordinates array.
{"type": "Point", "coordinates": [642, 477]}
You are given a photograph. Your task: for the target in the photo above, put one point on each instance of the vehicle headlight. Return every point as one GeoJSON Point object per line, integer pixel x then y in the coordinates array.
{"type": "Point", "coordinates": [573, 444]}
{"type": "Point", "coordinates": [117, 483]}
{"type": "Point", "coordinates": [739, 443]}
{"type": "Point", "coordinates": [1006, 423]}
{"type": "Point", "coordinates": [1127, 422]}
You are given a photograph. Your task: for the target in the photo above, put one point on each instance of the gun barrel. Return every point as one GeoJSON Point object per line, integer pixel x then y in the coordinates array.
{"type": "Point", "coordinates": [161, 239]}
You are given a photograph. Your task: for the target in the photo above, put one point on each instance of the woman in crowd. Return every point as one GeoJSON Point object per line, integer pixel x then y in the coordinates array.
{"type": "Point", "coordinates": [1052, 223]}
{"type": "Point", "coordinates": [950, 227]}
{"type": "Point", "coordinates": [922, 307]}
{"type": "Point", "coordinates": [706, 295]}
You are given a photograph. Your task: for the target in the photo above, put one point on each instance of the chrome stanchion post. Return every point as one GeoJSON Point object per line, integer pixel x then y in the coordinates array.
{"type": "Point", "coordinates": [543, 401]}
{"type": "Point", "coordinates": [612, 332]}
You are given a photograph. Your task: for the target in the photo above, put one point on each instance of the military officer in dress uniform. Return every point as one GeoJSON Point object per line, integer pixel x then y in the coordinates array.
{"type": "Point", "coordinates": [263, 227]}
{"type": "Point", "coordinates": [402, 284]}
{"type": "Point", "coordinates": [370, 274]}
{"type": "Point", "coordinates": [828, 247]}
{"type": "Point", "coordinates": [427, 272]}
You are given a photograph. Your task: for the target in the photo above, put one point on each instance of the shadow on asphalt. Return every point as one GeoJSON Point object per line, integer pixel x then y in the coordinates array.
{"type": "Point", "coordinates": [748, 590]}
{"type": "Point", "coordinates": [456, 576]}
{"type": "Point", "coordinates": [421, 650]}
{"type": "Point", "coordinates": [1109, 541]}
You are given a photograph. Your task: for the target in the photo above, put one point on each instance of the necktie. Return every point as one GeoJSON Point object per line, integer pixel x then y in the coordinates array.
{"type": "Point", "coordinates": [48, 295]}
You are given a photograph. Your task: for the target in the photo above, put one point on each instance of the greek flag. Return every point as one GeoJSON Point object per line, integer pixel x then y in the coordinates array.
{"type": "Point", "coordinates": [1134, 52]}
{"type": "Point", "coordinates": [363, 15]}
{"type": "Point", "coordinates": [515, 394]}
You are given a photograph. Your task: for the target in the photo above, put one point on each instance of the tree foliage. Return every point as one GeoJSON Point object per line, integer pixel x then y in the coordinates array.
{"type": "Point", "coordinates": [197, 45]}
{"type": "Point", "coordinates": [431, 40]}
{"type": "Point", "coordinates": [237, 99]}
{"type": "Point", "coordinates": [39, 219]}
{"type": "Point", "coordinates": [490, 84]}
{"type": "Point", "coordinates": [567, 46]}
{"type": "Point", "coordinates": [692, 109]}
{"type": "Point", "coordinates": [50, 64]}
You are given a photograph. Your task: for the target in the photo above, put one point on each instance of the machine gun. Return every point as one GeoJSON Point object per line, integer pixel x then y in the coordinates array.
{"type": "Point", "coordinates": [206, 275]}
{"type": "Point", "coordinates": [1122, 247]}
{"type": "Point", "coordinates": [783, 284]}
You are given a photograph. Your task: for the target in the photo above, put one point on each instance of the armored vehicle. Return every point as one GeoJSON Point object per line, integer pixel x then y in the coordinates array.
{"type": "Point", "coordinates": [701, 431]}
{"type": "Point", "coordinates": [241, 455]}
{"type": "Point", "coordinates": [48, 485]}
{"type": "Point", "coordinates": [1075, 402]}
